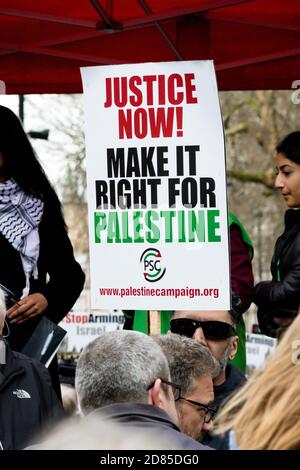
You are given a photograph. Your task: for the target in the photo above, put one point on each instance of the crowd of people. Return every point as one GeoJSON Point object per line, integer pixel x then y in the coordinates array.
{"type": "Point", "coordinates": [184, 389]}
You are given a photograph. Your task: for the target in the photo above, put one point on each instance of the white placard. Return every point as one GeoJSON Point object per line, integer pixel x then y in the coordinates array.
{"type": "Point", "coordinates": [258, 348]}
{"type": "Point", "coordinates": [84, 327]}
{"type": "Point", "coordinates": [156, 187]}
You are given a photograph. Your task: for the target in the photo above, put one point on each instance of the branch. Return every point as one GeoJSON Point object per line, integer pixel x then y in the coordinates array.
{"type": "Point", "coordinates": [265, 178]}
{"type": "Point", "coordinates": [236, 129]}
{"type": "Point", "coordinates": [230, 108]}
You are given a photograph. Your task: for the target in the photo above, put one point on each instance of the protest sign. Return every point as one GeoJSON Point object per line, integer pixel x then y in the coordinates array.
{"type": "Point", "coordinates": [258, 348]}
{"type": "Point", "coordinates": [156, 187]}
{"type": "Point", "coordinates": [84, 327]}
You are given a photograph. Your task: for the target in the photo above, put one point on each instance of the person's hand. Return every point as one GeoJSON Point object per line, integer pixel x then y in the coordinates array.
{"type": "Point", "coordinates": [29, 307]}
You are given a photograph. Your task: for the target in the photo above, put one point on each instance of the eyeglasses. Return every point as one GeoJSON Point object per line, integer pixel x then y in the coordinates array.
{"type": "Point", "coordinates": [212, 329]}
{"type": "Point", "coordinates": [175, 388]}
{"type": "Point", "coordinates": [209, 411]}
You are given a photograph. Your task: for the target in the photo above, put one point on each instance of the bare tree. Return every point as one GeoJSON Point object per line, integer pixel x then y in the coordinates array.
{"type": "Point", "coordinates": [254, 122]}
{"type": "Point", "coordinates": [63, 115]}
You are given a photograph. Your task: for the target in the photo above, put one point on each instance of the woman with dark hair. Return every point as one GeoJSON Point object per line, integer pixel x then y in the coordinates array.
{"type": "Point", "coordinates": [278, 300]}
{"type": "Point", "coordinates": [36, 257]}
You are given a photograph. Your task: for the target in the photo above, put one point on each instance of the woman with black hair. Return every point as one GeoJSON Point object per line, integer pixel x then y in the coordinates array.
{"type": "Point", "coordinates": [278, 300]}
{"type": "Point", "coordinates": [36, 256]}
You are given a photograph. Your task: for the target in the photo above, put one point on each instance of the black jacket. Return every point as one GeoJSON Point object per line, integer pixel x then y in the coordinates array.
{"type": "Point", "coordinates": [234, 380]}
{"type": "Point", "coordinates": [28, 403]}
{"type": "Point", "coordinates": [149, 418]}
{"type": "Point", "coordinates": [281, 296]}
{"type": "Point", "coordinates": [56, 260]}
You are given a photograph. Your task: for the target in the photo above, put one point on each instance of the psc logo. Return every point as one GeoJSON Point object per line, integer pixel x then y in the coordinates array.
{"type": "Point", "coordinates": [151, 259]}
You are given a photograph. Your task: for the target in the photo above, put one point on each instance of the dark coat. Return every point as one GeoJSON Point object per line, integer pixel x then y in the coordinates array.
{"type": "Point", "coordinates": [234, 380]}
{"type": "Point", "coordinates": [281, 296]}
{"type": "Point", "coordinates": [149, 418]}
{"type": "Point", "coordinates": [241, 274]}
{"type": "Point", "coordinates": [56, 260]}
{"type": "Point", "coordinates": [28, 403]}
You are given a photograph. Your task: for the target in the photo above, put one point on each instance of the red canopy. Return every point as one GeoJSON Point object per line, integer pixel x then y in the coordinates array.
{"type": "Point", "coordinates": [255, 43]}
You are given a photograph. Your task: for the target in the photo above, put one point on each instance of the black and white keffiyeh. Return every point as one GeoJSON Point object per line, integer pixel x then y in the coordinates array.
{"type": "Point", "coordinates": [20, 215]}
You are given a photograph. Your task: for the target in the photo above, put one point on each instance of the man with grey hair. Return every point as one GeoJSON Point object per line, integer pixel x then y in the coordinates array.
{"type": "Point", "coordinates": [28, 403]}
{"type": "Point", "coordinates": [193, 368]}
{"type": "Point", "coordinates": [216, 330]}
{"type": "Point", "coordinates": [124, 375]}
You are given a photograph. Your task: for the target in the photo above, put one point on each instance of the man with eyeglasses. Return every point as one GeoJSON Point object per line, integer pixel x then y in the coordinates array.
{"type": "Point", "coordinates": [215, 330]}
{"type": "Point", "coordinates": [192, 368]}
{"type": "Point", "coordinates": [124, 376]}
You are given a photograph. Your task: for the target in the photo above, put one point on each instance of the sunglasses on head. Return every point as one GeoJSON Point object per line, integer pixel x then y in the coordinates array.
{"type": "Point", "coordinates": [212, 329]}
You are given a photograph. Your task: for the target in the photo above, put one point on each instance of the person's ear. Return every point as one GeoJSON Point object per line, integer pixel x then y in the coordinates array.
{"type": "Point", "coordinates": [155, 394]}
{"type": "Point", "coordinates": [234, 347]}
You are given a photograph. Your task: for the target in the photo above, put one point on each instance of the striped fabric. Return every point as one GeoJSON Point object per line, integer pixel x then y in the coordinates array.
{"type": "Point", "coordinates": [20, 215]}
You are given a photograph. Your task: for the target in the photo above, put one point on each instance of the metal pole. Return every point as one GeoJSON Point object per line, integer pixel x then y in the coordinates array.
{"type": "Point", "coordinates": [21, 108]}
{"type": "Point", "coordinates": [44, 134]}
{"type": "Point", "coordinates": [259, 244]}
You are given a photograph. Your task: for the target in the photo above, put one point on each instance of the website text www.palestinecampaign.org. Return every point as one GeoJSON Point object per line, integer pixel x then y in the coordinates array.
{"type": "Point", "coordinates": [159, 292]}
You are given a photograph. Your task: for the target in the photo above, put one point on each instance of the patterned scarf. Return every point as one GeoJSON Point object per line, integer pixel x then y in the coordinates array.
{"type": "Point", "coordinates": [20, 215]}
